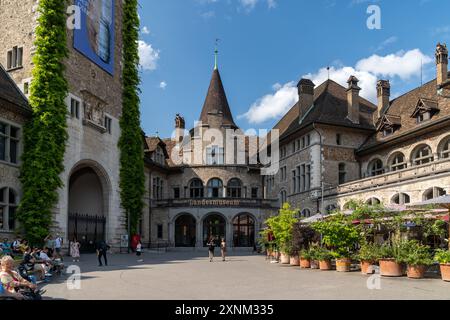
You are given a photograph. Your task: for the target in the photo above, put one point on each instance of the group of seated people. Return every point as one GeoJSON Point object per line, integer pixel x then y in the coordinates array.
{"type": "Point", "coordinates": [36, 265]}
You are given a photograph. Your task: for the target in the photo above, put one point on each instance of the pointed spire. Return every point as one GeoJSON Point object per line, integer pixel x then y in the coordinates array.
{"type": "Point", "coordinates": [216, 54]}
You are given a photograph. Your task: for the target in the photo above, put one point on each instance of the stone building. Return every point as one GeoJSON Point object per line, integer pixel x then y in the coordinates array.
{"type": "Point", "coordinates": [89, 203]}
{"type": "Point", "coordinates": [199, 184]}
{"type": "Point", "coordinates": [337, 146]}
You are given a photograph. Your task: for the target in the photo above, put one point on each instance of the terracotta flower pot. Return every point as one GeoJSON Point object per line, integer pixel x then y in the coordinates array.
{"type": "Point", "coordinates": [325, 265]}
{"type": "Point", "coordinates": [295, 261]}
{"type": "Point", "coordinates": [390, 268]}
{"type": "Point", "coordinates": [314, 264]}
{"type": "Point", "coordinates": [343, 265]}
{"type": "Point", "coordinates": [305, 263]}
{"type": "Point", "coordinates": [445, 272]}
{"type": "Point", "coordinates": [285, 259]}
{"type": "Point", "coordinates": [366, 267]}
{"type": "Point", "coordinates": [416, 272]}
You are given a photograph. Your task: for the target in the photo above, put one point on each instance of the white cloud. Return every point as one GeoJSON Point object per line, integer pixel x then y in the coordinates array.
{"type": "Point", "coordinates": [272, 4]}
{"type": "Point", "coordinates": [148, 56]}
{"type": "Point", "coordinates": [403, 65]}
{"type": "Point", "coordinates": [163, 85]}
{"type": "Point", "coordinates": [145, 30]}
{"type": "Point", "coordinates": [249, 5]}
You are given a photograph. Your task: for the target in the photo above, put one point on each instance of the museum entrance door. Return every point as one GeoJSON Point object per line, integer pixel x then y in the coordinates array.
{"type": "Point", "coordinates": [214, 226]}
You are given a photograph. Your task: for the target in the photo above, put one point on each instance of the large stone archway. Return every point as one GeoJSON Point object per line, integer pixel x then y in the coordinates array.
{"type": "Point", "coordinates": [185, 231]}
{"type": "Point", "coordinates": [88, 205]}
{"type": "Point", "coordinates": [214, 225]}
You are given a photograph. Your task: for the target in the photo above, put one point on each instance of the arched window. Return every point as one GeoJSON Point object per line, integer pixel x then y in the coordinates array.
{"type": "Point", "coordinates": [8, 207]}
{"type": "Point", "coordinates": [196, 189]}
{"type": "Point", "coordinates": [398, 162]}
{"type": "Point", "coordinates": [445, 150]}
{"type": "Point", "coordinates": [244, 231]}
{"type": "Point", "coordinates": [283, 198]}
{"type": "Point", "coordinates": [234, 189]}
{"type": "Point", "coordinates": [215, 188]}
{"type": "Point", "coordinates": [342, 173]}
{"type": "Point", "coordinates": [376, 168]}
{"type": "Point", "coordinates": [373, 201]}
{"type": "Point", "coordinates": [330, 208]}
{"type": "Point", "coordinates": [423, 155]}
{"type": "Point", "coordinates": [401, 199]}
{"type": "Point", "coordinates": [433, 193]}
{"type": "Point", "coordinates": [306, 213]}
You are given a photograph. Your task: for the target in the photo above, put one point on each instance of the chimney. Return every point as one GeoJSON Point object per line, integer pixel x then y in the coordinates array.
{"type": "Point", "coordinates": [180, 126]}
{"type": "Point", "coordinates": [353, 99]}
{"type": "Point", "coordinates": [306, 96]}
{"type": "Point", "coordinates": [384, 95]}
{"type": "Point", "coordinates": [441, 63]}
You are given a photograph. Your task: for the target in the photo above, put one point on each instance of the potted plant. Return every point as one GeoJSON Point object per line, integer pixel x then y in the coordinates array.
{"type": "Point", "coordinates": [443, 257]}
{"type": "Point", "coordinates": [324, 256]}
{"type": "Point", "coordinates": [314, 256]}
{"type": "Point", "coordinates": [368, 255]}
{"type": "Point", "coordinates": [305, 259]}
{"type": "Point", "coordinates": [391, 259]}
{"type": "Point", "coordinates": [418, 258]}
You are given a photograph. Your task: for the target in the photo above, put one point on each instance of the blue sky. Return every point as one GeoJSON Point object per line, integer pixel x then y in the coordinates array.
{"type": "Point", "coordinates": [266, 46]}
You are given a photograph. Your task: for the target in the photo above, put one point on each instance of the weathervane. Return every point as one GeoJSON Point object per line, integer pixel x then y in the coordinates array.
{"type": "Point", "coordinates": [216, 53]}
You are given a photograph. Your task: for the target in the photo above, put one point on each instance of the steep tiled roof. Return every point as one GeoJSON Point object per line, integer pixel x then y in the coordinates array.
{"type": "Point", "coordinates": [10, 92]}
{"type": "Point", "coordinates": [330, 107]}
{"type": "Point", "coordinates": [216, 101]}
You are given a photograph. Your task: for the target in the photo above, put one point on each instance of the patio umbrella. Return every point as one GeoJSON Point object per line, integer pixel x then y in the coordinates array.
{"type": "Point", "coordinates": [443, 202]}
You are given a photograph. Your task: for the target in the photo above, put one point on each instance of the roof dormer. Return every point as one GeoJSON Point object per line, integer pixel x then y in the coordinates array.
{"type": "Point", "coordinates": [425, 110]}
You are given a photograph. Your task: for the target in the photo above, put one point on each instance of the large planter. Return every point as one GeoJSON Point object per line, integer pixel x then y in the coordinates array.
{"type": "Point", "coordinates": [390, 268]}
{"type": "Point", "coordinates": [366, 267]}
{"type": "Point", "coordinates": [325, 265]}
{"type": "Point", "coordinates": [416, 272]}
{"type": "Point", "coordinates": [305, 263]}
{"type": "Point", "coordinates": [285, 259]}
{"type": "Point", "coordinates": [314, 264]}
{"type": "Point", "coordinates": [295, 261]}
{"type": "Point", "coordinates": [445, 272]}
{"type": "Point", "coordinates": [343, 265]}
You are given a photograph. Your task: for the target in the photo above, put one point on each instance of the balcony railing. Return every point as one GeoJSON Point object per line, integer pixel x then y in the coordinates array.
{"type": "Point", "coordinates": [216, 203]}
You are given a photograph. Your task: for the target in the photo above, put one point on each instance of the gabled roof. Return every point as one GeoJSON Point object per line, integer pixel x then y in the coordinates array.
{"type": "Point", "coordinates": [389, 120]}
{"type": "Point", "coordinates": [330, 107]}
{"type": "Point", "coordinates": [10, 92]}
{"type": "Point", "coordinates": [425, 105]}
{"type": "Point", "coordinates": [153, 143]}
{"type": "Point", "coordinates": [216, 102]}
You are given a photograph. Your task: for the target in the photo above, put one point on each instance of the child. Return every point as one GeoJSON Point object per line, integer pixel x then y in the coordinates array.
{"type": "Point", "coordinates": [139, 251]}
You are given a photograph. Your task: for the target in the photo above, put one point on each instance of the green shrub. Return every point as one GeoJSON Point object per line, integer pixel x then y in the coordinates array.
{"type": "Point", "coordinates": [442, 256]}
{"type": "Point", "coordinates": [369, 252]}
{"type": "Point", "coordinates": [416, 254]}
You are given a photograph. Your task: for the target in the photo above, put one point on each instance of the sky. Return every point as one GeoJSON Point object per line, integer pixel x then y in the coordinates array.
{"type": "Point", "coordinates": [267, 46]}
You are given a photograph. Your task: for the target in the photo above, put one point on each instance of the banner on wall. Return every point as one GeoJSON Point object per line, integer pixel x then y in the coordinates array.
{"type": "Point", "coordinates": [95, 38]}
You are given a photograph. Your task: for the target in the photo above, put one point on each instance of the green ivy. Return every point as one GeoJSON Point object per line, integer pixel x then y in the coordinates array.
{"type": "Point", "coordinates": [132, 179]}
{"type": "Point", "coordinates": [45, 135]}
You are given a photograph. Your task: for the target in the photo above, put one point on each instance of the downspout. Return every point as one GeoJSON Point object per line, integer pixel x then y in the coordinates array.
{"type": "Point", "coordinates": [321, 168]}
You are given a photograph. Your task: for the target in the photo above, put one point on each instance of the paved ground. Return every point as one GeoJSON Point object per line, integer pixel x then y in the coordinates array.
{"type": "Point", "coordinates": [179, 276]}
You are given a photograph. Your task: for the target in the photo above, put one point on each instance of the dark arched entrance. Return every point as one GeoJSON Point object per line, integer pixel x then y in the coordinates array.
{"type": "Point", "coordinates": [214, 226]}
{"type": "Point", "coordinates": [185, 231]}
{"type": "Point", "coordinates": [87, 208]}
{"type": "Point", "coordinates": [244, 231]}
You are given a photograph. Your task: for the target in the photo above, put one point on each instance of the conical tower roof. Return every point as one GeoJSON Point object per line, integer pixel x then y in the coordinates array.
{"type": "Point", "coordinates": [216, 102]}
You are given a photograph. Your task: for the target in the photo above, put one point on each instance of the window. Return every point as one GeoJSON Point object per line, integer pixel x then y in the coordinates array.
{"type": "Point", "coordinates": [423, 117]}
{"type": "Point", "coordinates": [445, 153]}
{"type": "Point", "coordinates": [234, 189]}
{"type": "Point", "coordinates": [196, 189]}
{"type": "Point", "coordinates": [108, 124]}
{"type": "Point", "coordinates": [244, 231]}
{"type": "Point", "coordinates": [398, 162]}
{"type": "Point", "coordinates": [373, 201]}
{"type": "Point", "coordinates": [157, 188]}
{"type": "Point", "coordinates": [388, 131]}
{"type": "Point", "coordinates": [306, 213]}
{"type": "Point", "coordinates": [8, 206]}
{"type": "Point", "coordinates": [423, 156]}
{"type": "Point", "coordinates": [330, 208]}
{"type": "Point", "coordinates": [160, 231]}
{"type": "Point", "coordinates": [342, 173]}
{"type": "Point", "coordinates": [283, 172]}
{"type": "Point", "coordinates": [376, 168]}
{"type": "Point", "coordinates": [26, 88]}
{"type": "Point", "coordinates": [401, 199]}
{"type": "Point", "coordinates": [283, 198]}
{"type": "Point", "coordinates": [338, 139]}
{"type": "Point", "coordinates": [215, 188]}
{"type": "Point", "coordinates": [254, 193]}
{"type": "Point", "coordinates": [215, 156]}
{"type": "Point", "coordinates": [9, 143]}
{"type": "Point", "coordinates": [294, 181]}
{"type": "Point", "coordinates": [75, 108]}
{"type": "Point", "coordinates": [14, 58]}
{"type": "Point", "coordinates": [303, 142]}
{"type": "Point", "coordinates": [434, 193]}
{"type": "Point", "coordinates": [308, 140]}
{"type": "Point", "coordinates": [159, 156]}
{"type": "Point", "coordinates": [176, 193]}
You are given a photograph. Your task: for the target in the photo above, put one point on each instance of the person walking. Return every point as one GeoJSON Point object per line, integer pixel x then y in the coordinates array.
{"type": "Point", "coordinates": [58, 246]}
{"type": "Point", "coordinates": [102, 248]}
{"type": "Point", "coordinates": [211, 247]}
{"type": "Point", "coordinates": [75, 250]}
{"type": "Point", "coordinates": [223, 249]}
{"type": "Point", "coordinates": [139, 251]}
{"type": "Point", "coordinates": [50, 244]}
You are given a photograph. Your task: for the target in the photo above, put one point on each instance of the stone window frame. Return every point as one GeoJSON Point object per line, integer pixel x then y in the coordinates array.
{"type": "Point", "coordinates": [8, 208]}
{"type": "Point", "coordinates": [342, 171]}
{"type": "Point", "coordinates": [8, 140]}
{"type": "Point", "coordinates": [158, 188]}
{"type": "Point", "coordinates": [395, 164]}
{"type": "Point", "coordinates": [282, 197]}
{"type": "Point", "coordinates": [403, 198]}
{"type": "Point", "coordinates": [433, 193]}
{"type": "Point", "coordinates": [212, 185]}
{"type": "Point", "coordinates": [14, 58]}
{"type": "Point", "coordinates": [306, 213]}
{"type": "Point", "coordinates": [74, 114]}
{"type": "Point", "coordinates": [108, 124]}
{"type": "Point", "coordinates": [196, 189]}
{"type": "Point", "coordinates": [420, 157]}
{"type": "Point", "coordinates": [444, 152]}
{"type": "Point", "coordinates": [373, 201]}
{"type": "Point", "coordinates": [234, 188]}
{"type": "Point", "coordinates": [375, 167]}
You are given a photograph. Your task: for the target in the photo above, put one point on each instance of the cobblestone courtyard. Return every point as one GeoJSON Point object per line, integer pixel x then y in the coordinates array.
{"type": "Point", "coordinates": [190, 276]}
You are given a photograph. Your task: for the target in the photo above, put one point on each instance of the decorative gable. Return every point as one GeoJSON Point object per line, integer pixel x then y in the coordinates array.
{"type": "Point", "coordinates": [388, 124]}
{"type": "Point", "coordinates": [425, 106]}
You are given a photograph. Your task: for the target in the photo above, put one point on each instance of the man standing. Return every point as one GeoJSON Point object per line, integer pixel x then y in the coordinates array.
{"type": "Point", "coordinates": [102, 248]}
{"type": "Point", "coordinates": [58, 246]}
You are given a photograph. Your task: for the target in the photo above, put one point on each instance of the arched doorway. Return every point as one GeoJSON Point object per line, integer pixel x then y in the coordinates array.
{"type": "Point", "coordinates": [244, 231]}
{"type": "Point", "coordinates": [214, 225]}
{"type": "Point", "coordinates": [87, 208]}
{"type": "Point", "coordinates": [185, 231]}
